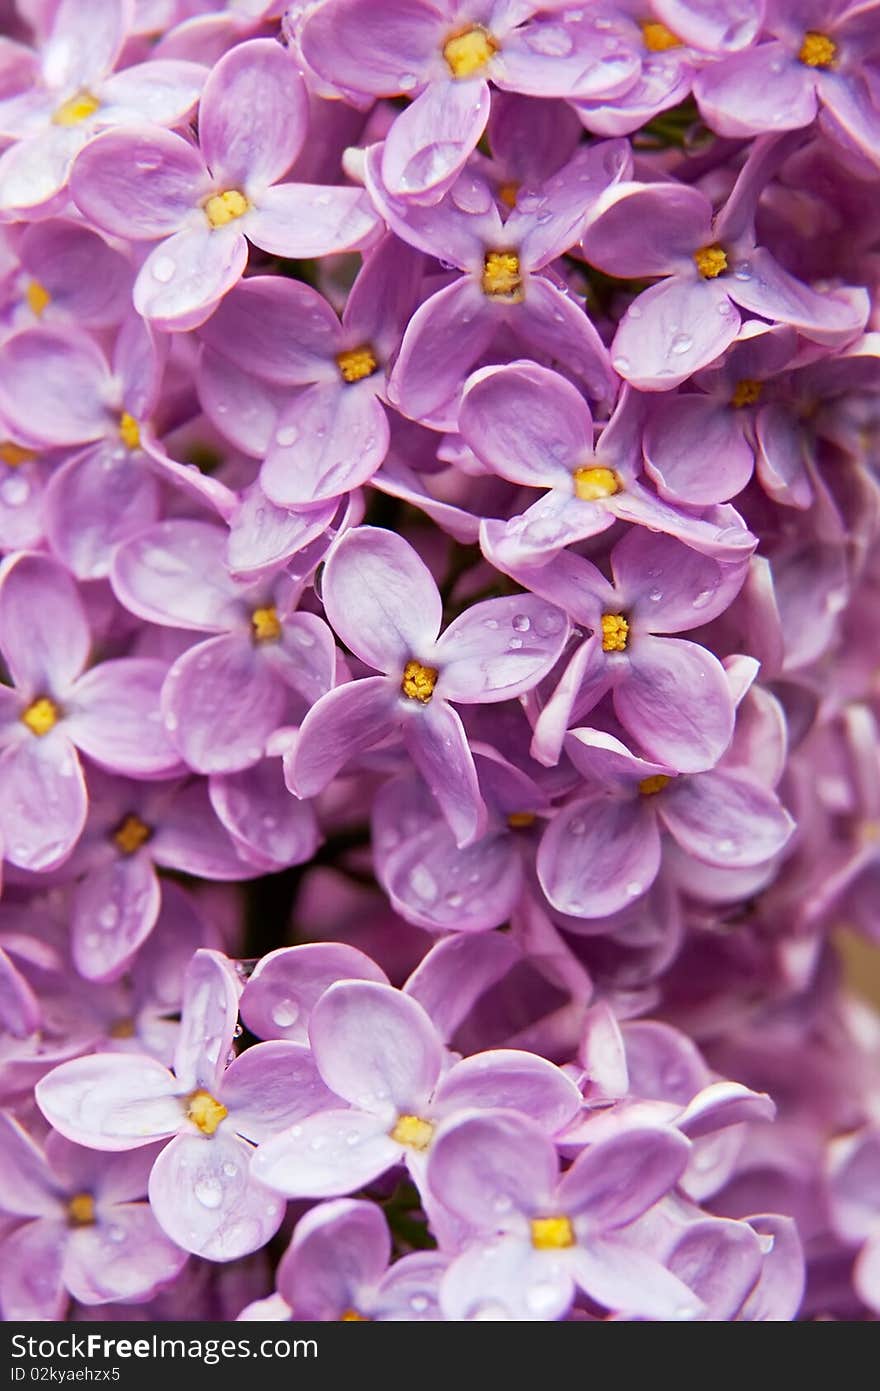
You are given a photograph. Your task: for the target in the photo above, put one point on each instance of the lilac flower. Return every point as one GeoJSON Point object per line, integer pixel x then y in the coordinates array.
{"type": "Point", "coordinates": [85, 1233]}
{"type": "Point", "coordinates": [382, 601]}
{"type": "Point", "coordinates": [671, 696]}
{"type": "Point", "coordinates": [538, 1237]}
{"type": "Point", "coordinates": [68, 275]}
{"type": "Point", "coordinates": [286, 984]}
{"type": "Point", "coordinates": [603, 850]}
{"type": "Point", "coordinates": [336, 1268]}
{"type": "Point", "coordinates": [377, 1049]}
{"type": "Point", "coordinates": [332, 435]}
{"type": "Point", "coordinates": [533, 427]}
{"type": "Point", "coordinates": [201, 1188]}
{"type": "Point", "coordinates": [446, 53]}
{"type": "Point", "coordinates": [76, 93]}
{"type": "Point", "coordinates": [502, 285]}
{"type": "Point", "coordinates": [204, 204]}
{"type": "Point", "coordinates": [105, 491]}
{"type": "Point", "coordinates": [55, 708]}
{"type": "Point", "coordinates": [816, 57]}
{"type": "Point", "coordinates": [223, 697]}
{"type": "Point", "coordinates": [855, 1206]}
{"type": "Point", "coordinates": [712, 264]}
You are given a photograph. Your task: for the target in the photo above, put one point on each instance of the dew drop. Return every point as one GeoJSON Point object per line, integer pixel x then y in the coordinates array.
{"type": "Point", "coordinates": [163, 270]}
{"type": "Point", "coordinates": [285, 1013]}
{"type": "Point", "coordinates": [108, 916]}
{"type": "Point", "coordinates": [288, 435]}
{"type": "Point", "coordinates": [208, 1191]}
{"type": "Point", "coordinates": [521, 622]}
{"type": "Point", "coordinates": [681, 343]}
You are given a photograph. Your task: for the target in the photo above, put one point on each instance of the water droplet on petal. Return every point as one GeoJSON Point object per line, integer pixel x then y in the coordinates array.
{"type": "Point", "coordinates": [208, 1191]}
{"type": "Point", "coordinates": [163, 269]}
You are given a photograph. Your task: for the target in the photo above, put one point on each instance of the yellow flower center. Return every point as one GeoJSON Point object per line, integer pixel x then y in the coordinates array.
{"type": "Point", "coordinates": [746, 392]}
{"type": "Point", "coordinates": [352, 1316]}
{"type": "Point", "coordinates": [521, 820]}
{"type": "Point", "coordinates": [14, 454]}
{"type": "Point", "coordinates": [222, 208]}
{"type": "Point", "coordinates": [204, 1112]}
{"type": "Point", "coordinates": [76, 109]}
{"type": "Point", "coordinates": [265, 624]}
{"type": "Point", "coordinates": [131, 834]}
{"type": "Point", "coordinates": [81, 1210]}
{"type": "Point", "coordinates": [507, 192]}
{"type": "Point", "coordinates": [412, 1131]}
{"type": "Point", "coordinates": [592, 484]}
{"type": "Point", "coordinates": [41, 716]}
{"type": "Point", "coordinates": [129, 431]}
{"type": "Point", "coordinates": [356, 363]}
{"type": "Point", "coordinates": [817, 50]}
{"type": "Point", "coordinates": [615, 632]}
{"type": "Point", "coordinates": [552, 1233]}
{"type": "Point", "coordinates": [501, 276]}
{"type": "Point", "coordinates": [37, 297]}
{"type": "Point", "coordinates": [657, 37]}
{"type": "Point", "coordinates": [711, 261]}
{"type": "Point", "coordinates": [649, 787]}
{"type": "Point", "coordinates": [418, 682]}
{"type": "Point", "coordinates": [123, 1028]}
{"type": "Point", "coordinates": [469, 50]}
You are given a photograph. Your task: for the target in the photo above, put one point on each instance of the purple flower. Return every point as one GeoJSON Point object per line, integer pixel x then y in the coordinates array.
{"type": "Point", "coordinates": [332, 434]}
{"type": "Point", "coordinates": [76, 93]}
{"type": "Point", "coordinates": [854, 1196]}
{"type": "Point", "coordinates": [378, 1050]}
{"type": "Point", "coordinates": [603, 850]}
{"type": "Point", "coordinates": [671, 696]}
{"type": "Point", "coordinates": [110, 713]}
{"type": "Point", "coordinates": [205, 204]}
{"type": "Point", "coordinates": [711, 265]}
{"type": "Point", "coordinates": [201, 1189]}
{"type": "Point", "coordinates": [225, 696]}
{"type": "Point", "coordinates": [534, 428]}
{"type": "Point", "coordinates": [502, 286]}
{"type": "Point", "coordinates": [818, 56]}
{"type": "Point", "coordinates": [383, 603]}
{"type": "Point", "coordinates": [82, 1230]}
{"type": "Point", "coordinates": [446, 53]}
{"type": "Point", "coordinates": [538, 1237]}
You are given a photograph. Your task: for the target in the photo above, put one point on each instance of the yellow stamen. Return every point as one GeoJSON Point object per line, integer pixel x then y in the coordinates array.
{"type": "Point", "coordinates": [14, 454]}
{"type": "Point", "coordinates": [501, 276]}
{"type": "Point", "coordinates": [352, 1316]}
{"type": "Point", "coordinates": [130, 431]}
{"type": "Point", "coordinates": [469, 50]}
{"type": "Point", "coordinates": [615, 632]}
{"type": "Point", "coordinates": [412, 1131]}
{"type": "Point", "coordinates": [76, 109]}
{"type": "Point", "coordinates": [507, 193]}
{"type": "Point", "coordinates": [81, 1210]}
{"type": "Point", "coordinates": [521, 820]}
{"type": "Point", "coordinates": [41, 716]}
{"type": "Point", "coordinates": [658, 39]}
{"type": "Point", "coordinates": [205, 1113]}
{"type": "Point", "coordinates": [131, 834]}
{"type": "Point", "coordinates": [418, 682]}
{"type": "Point", "coordinates": [37, 297]}
{"type": "Point", "coordinates": [817, 50]}
{"type": "Point", "coordinates": [746, 392]}
{"type": "Point", "coordinates": [266, 624]}
{"type": "Point", "coordinates": [592, 484]}
{"type": "Point", "coordinates": [711, 261]}
{"type": "Point", "coordinates": [356, 363]}
{"type": "Point", "coordinates": [222, 208]}
{"type": "Point", "coordinates": [552, 1233]}
{"type": "Point", "coordinates": [649, 787]}
{"type": "Point", "coordinates": [123, 1028]}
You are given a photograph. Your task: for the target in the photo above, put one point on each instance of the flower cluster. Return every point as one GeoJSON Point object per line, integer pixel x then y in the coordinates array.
{"type": "Point", "coordinates": [439, 578]}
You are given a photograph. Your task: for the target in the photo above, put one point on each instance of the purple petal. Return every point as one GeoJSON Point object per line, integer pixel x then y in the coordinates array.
{"type": "Point", "coordinates": [221, 703]}
{"type": "Point", "coordinates": [287, 983]}
{"type": "Point", "coordinates": [28, 1187]}
{"type": "Point", "coordinates": [614, 1181]}
{"type": "Point", "coordinates": [162, 91]}
{"type": "Point", "coordinates": [209, 1012]}
{"type": "Point", "coordinates": [30, 1272]}
{"type": "Point", "coordinates": [95, 502]}
{"type": "Point", "coordinates": [668, 587]}
{"type": "Point", "coordinates": [125, 1256]}
{"type": "Point", "coordinates": [444, 338]}
{"type": "Point", "coordinates": [765, 88]}
{"type": "Point", "coordinates": [375, 1047]}
{"type": "Point", "coordinates": [344, 723]}
{"type": "Point", "coordinates": [44, 804]}
{"type": "Point", "coordinates": [640, 230]}
{"type": "Point", "coordinates": [676, 703]}
{"type": "Point", "coordinates": [515, 1081]}
{"type": "Point", "coordinates": [271, 829]}
{"type": "Point", "coordinates": [114, 910]}
{"type": "Point", "coordinates": [761, 285]}
{"type": "Point", "coordinates": [682, 434]}
{"type": "Point", "coordinates": [597, 856]}
{"type": "Point", "coordinates": [492, 1170]}
{"type": "Point", "coordinates": [358, 47]}
{"type": "Point", "coordinates": [327, 1154]}
{"type": "Point", "coordinates": [726, 818]}
{"type": "Point", "coordinates": [499, 649]}
{"type": "Point", "coordinates": [438, 746]}
{"type": "Point", "coordinates": [61, 365]}
{"type": "Point", "coordinates": [305, 220]}
{"type": "Point", "coordinates": [253, 116]}
{"type": "Point", "coordinates": [183, 278]}
{"type": "Point", "coordinates": [113, 717]}
{"type": "Point", "coordinates": [339, 1250]}
{"type": "Point", "coordinates": [109, 187]}
{"type": "Point", "coordinates": [629, 1281]}
{"type": "Point", "coordinates": [111, 1101]}
{"type": "Point", "coordinates": [83, 43]}
{"type": "Point", "coordinates": [432, 138]}
{"type": "Point", "coordinates": [44, 634]}
{"type": "Point", "coordinates": [381, 598]}
{"type": "Point", "coordinates": [206, 1199]}
{"type": "Point", "coordinates": [330, 439]}
{"type": "Point", "coordinates": [272, 1086]}
{"type": "Point", "coordinates": [720, 1261]}
{"type": "Point", "coordinates": [506, 1279]}
{"type": "Point", "coordinates": [527, 424]}
{"type": "Point", "coordinates": [176, 574]}
{"type": "Point", "coordinates": [282, 330]}
{"type": "Point", "coordinates": [679, 326]}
